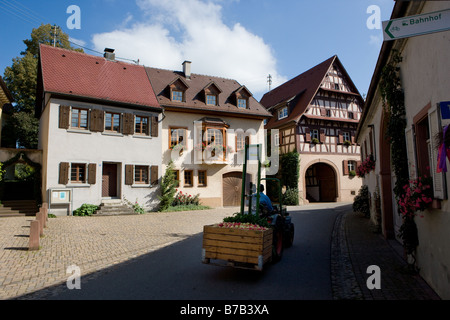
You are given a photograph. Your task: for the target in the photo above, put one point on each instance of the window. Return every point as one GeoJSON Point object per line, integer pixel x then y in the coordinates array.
{"type": "Point", "coordinates": [336, 86]}
{"type": "Point", "coordinates": [351, 115]}
{"type": "Point", "coordinates": [283, 113]}
{"type": "Point", "coordinates": [351, 166]}
{"type": "Point", "coordinates": [177, 136]}
{"type": "Point", "coordinates": [141, 125]}
{"type": "Point", "coordinates": [346, 136]}
{"type": "Point", "coordinates": [177, 96]}
{"type": "Point", "coordinates": [112, 122]}
{"type": "Point", "coordinates": [328, 113]}
{"type": "Point", "coordinates": [241, 141]}
{"type": "Point", "coordinates": [242, 103]}
{"type": "Point", "coordinates": [311, 177]}
{"type": "Point", "coordinates": [315, 134]}
{"type": "Point", "coordinates": [78, 173]}
{"type": "Point", "coordinates": [202, 178]}
{"type": "Point", "coordinates": [141, 174]}
{"type": "Point", "coordinates": [211, 100]}
{"type": "Point", "coordinates": [188, 178]}
{"type": "Point", "coordinates": [79, 118]}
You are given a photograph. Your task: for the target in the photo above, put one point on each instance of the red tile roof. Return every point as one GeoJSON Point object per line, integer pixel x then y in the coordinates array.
{"type": "Point", "coordinates": [300, 91]}
{"type": "Point", "coordinates": [195, 98]}
{"type": "Point", "coordinates": [303, 88]}
{"type": "Point", "coordinates": [80, 75]}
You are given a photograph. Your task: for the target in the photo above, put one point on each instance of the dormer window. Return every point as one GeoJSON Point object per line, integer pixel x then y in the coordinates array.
{"type": "Point", "coordinates": [177, 89]}
{"type": "Point", "coordinates": [242, 98]}
{"type": "Point", "coordinates": [242, 103]}
{"type": "Point", "coordinates": [211, 100]}
{"type": "Point", "coordinates": [212, 92]}
{"type": "Point", "coordinates": [282, 113]}
{"type": "Point", "coordinates": [177, 96]}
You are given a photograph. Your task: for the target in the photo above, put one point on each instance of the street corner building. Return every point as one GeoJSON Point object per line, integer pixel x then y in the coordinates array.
{"type": "Point", "coordinates": [99, 129]}
{"type": "Point", "coordinates": [422, 75]}
{"type": "Point", "coordinates": [317, 114]}
{"type": "Point", "coordinates": [208, 120]}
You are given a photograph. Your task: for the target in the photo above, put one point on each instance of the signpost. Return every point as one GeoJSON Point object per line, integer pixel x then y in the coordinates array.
{"type": "Point", "coordinates": [416, 25]}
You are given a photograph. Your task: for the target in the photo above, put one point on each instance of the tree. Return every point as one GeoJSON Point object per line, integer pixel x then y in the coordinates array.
{"type": "Point", "coordinates": [21, 80]}
{"type": "Point", "coordinates": [168, 188]}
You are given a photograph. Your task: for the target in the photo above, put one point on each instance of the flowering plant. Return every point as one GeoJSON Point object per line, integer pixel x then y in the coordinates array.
{"type": "Point", "coordinates": [367, 166]}
{"type": "Point", "coordinates": [242, 226]}
{"type": "Point", "coordinates": [417, 195]}
{"type": "Point", "coordinates": [184, 199]}
{"type": "Point", "coordinates": [177, 147]}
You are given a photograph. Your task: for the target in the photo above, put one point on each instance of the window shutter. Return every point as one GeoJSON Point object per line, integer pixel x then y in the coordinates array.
{"type": "Point", "coordinates": [352, 133]}
{"type": "Point", "coordinates": [410, 147]}
{"type": "Point", "coordinates": [341, 138]}
{"type": "Point", "coordinates": [438, 178]}
{"type": "Point", "coordinates": [128, 124]}
{"type": "Point", "coordinates": [322, 136]}
{"type": "Point", "coordinates": [155, 127]}
{"type": "Point", "coordinates": [129, 175]}
{"type": "Point", "coordinates": [154, 175]}
{"type": "Point", "coordinates": [323, 112]}
{"type": "Point", "coordinates": [64, 117]}
{"type": "Point", "coordinates": [345, 167]}
{"type": "Point", "coordinates": [97, 120]}
{"type": "Point", "coordinates": [64, 172]}
{"type": "Point", "coordinates": [307, 134]}
{"type": "Point", "coordinates": [92, 173]}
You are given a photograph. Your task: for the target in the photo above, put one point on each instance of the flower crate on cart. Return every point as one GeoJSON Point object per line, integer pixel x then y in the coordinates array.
{"type": "Point", "coordinates": [238, 245]}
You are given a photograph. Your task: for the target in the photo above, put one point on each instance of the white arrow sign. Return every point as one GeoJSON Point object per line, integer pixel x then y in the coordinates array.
{"type": "Point", "coordinates": [416, 25]}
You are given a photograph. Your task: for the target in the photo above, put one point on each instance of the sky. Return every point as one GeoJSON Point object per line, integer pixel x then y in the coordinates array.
{"type": "Point", "coordinates": [244, 40]}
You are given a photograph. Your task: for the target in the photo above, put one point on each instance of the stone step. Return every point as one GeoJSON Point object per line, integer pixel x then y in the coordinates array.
{"type": "Point", "coordinates": [18, 208]}
{"type": "Point", "coordinates": [114, 208]}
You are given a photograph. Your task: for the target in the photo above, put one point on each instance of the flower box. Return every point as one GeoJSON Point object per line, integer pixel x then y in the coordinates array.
{"type": "Point", "coordinates": [237, 247]}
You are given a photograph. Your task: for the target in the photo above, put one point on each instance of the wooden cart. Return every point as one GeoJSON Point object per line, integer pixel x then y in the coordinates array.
{"type": "Point", "coordinates": [239, 248]}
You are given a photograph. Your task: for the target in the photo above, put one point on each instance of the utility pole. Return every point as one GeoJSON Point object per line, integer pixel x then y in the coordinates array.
{"type": "Point", "coordinates": [269, 80]}
{"type": "Point", "coordinates": [54, 35]}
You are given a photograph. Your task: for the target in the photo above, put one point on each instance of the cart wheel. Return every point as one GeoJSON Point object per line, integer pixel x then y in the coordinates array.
{"type": "Point", "coordinates": [290, 236]}
{"type": "Point", "coordinates": [277, 248]}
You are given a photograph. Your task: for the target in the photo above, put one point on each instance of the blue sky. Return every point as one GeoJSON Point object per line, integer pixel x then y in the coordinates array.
{"type": "Point", "coordinates": [244, 40]}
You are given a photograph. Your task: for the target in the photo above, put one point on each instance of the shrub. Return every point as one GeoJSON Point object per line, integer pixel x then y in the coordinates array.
{"type": "Point", "coordinates": [290, 198]}
{"type": "Point", "coordinates": [168, 186]}
{"type": "Point", "coordinates": [184, 199]}
{"type": "Point", "coordinates": [248, 218]}
{"type": "Point", "coordinates": [85, 210]}
{"type": "Point", "coordinates": [361, 202]}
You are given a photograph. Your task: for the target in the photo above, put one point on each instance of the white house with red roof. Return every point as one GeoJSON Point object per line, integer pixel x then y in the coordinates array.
{"type": "Point", "coordinates": [99, 125]}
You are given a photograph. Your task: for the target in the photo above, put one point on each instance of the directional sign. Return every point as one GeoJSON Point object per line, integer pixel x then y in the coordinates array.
{"type": "Point", "coordinates": [416, 25]}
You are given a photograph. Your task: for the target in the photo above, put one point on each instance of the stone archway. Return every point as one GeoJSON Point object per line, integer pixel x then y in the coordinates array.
{"type": "Point", "coordinates": [321, 182]}
{"type": "Point", "coordinates": [28, 189]}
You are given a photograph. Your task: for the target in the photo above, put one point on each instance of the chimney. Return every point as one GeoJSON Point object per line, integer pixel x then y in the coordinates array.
{"type": "Point", "coordinates": [109, 54]}
{"type": "Point", "coordinates": [187, 69]}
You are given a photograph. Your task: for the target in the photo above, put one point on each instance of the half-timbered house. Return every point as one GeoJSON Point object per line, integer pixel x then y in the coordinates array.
{"type": "Point", "coordinates": [317, 114]}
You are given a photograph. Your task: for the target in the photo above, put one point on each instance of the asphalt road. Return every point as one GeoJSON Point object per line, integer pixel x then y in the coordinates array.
{"type": "Point", "coordinates": [176, 272]}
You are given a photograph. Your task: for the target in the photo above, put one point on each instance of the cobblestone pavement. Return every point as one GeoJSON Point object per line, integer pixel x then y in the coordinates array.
{"type": "Point", "coordinates": [356, 246]}
{"type": "Point", "coordinates": [97, 243]}
{"type": "Point", "coordinates": [91, 243]}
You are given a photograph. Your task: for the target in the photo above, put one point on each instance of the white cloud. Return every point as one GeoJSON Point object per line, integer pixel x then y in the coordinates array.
{"type": "Point", "coordinates": [376, 40]}
{"type": "Point", "coordinates": [179, 30]}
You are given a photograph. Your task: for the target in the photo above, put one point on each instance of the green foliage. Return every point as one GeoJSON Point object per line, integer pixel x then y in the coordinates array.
{"type": "Point", "coordinates": [394, 106]}
{"type": "Point", "coordinates": [290, 197]}
{"type": "Point", "coordinates": [184, 199]}
{"type": "Point", "coordinates": [190, 207]}
{"type": "Point", "coordinates": [290, 167]}
{"type": "Point", "coordinates": [168, 188]}
{"type": "Point", "coordinates": [21, 80]}
{"type": "Point", "coordinates": [248, 218]}
{"type": "Point", "coordinates": [361, 201]}
{"type": "Point", "coordinates": [85, 210]}
{"type": "Point", "coordinates": [2, 171]}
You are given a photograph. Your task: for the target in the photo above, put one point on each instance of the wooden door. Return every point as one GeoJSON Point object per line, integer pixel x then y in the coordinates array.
{"type": "Point", "coordinates": [232, 188]}
{"type": "Point", "coordinates": [327, 183]}
{"type": "Point", "coordinates": [109, 180]}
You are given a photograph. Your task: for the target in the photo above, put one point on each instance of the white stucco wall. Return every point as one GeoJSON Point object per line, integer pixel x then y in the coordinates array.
{"type": "Point", "coordinates": [425, 73]}
{"type": "Point", "coordinates": [61, 145]}
{"type": "Point", "coordinates": [211, 195]}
